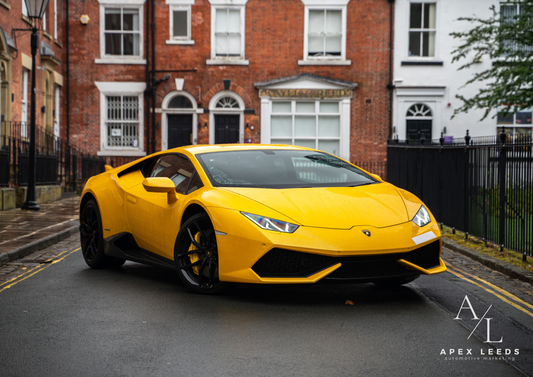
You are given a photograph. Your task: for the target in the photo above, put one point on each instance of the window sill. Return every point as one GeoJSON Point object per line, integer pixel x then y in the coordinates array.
{"type": "Point", "coordinates": [422, 62]}
{"type": "Point", "coordinates": [5, 4]}
{"type": "Point", "coordinates": [26, 19]}
{"type": "Point", "coordinates": [47, 34]}
{"type": "Point", "coordinates": [324, 62]}
{"type": "Point", "coordinates": [227, 62]}
{"type": "Point", "coordinates": [175, 42]}
{"type": "Point", "coordinates": [119, 61]}
{"type": "Point", "coordinates": [122, 152]}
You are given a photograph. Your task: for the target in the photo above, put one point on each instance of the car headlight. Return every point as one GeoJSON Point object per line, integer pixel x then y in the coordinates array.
{"type": "Point", "coordinates": [271, 224]}
{"type": "Point", "coordinates": [422, 217]}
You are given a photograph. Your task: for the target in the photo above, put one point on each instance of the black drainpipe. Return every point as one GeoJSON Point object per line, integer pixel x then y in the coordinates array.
{"type": "Point", "coordinates": [153, 77]}
{"type": "Point", "coordinates": [68, 75]}
{"type": "Point", "coordinates": [390, 85]}
{"type": "Point", "coordinates": [148, 90]}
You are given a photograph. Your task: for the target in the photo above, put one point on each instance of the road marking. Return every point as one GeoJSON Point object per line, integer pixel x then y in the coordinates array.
{"type": "Point", "coordinates": [10, 283]}
{"type": "Point", "coordinates": [459, 273]}
{"type": "Point", "coordinates": [508, 294]}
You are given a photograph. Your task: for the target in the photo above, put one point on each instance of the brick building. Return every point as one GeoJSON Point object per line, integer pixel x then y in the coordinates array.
{"type": "Point", "coordinates": [15, 70]}
{"type": "Point", "coordinates": [151, 75]}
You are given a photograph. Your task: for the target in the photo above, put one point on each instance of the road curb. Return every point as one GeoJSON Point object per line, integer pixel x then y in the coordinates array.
{"type": "Point", "coordinates": [37, 245]}
{"type": "Point", "coordinates": [491, 262]}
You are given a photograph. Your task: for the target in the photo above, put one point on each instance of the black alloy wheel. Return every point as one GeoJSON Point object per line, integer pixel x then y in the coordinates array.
{"type": "Point", "coordinates": [92, 242]}
{"type": "Point", "coordinates": [196, 255]}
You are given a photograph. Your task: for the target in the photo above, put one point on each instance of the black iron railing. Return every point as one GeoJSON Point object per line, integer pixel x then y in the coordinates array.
{"type": "Point", "coordinates": [56, 162]}
{"type": "Point", "coordinates": [482, 186]}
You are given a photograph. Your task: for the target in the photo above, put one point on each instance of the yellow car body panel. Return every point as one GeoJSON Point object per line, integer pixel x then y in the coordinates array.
{"type": "Point", "coordinates": [340, 222]}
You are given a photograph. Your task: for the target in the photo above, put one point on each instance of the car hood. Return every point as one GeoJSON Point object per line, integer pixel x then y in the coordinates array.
{"type": "Point", "coordinates": [379, 205]}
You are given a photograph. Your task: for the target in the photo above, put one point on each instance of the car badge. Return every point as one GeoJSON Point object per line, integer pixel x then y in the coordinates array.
{"type": "Point", "coordinates": [367, 233]}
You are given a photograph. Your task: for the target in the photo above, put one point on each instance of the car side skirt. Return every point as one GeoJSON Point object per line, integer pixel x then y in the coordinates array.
{"type": "Point", "coordinates": [123, 245]}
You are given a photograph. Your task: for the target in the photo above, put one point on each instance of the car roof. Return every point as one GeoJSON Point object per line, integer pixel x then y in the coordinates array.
{"type": "Point", "coordinates": [198, 149]}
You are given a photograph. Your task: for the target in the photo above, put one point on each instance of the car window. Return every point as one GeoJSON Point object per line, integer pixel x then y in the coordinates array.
{"type": "Point", "coordinates": [180, 170]}
{"type": "Point", "coordinates": [280, 169]}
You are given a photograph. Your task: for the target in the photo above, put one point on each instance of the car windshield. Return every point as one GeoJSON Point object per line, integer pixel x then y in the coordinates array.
{"type": "Point", "coordinates": [272, 168]}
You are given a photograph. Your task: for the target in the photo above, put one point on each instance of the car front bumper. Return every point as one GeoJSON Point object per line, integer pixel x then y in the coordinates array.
{"type": "Point", "coordinates": [249, 254]}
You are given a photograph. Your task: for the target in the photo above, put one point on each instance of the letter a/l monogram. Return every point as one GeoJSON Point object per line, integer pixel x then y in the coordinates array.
{"type": "Point", "coordinates": [475, 317]}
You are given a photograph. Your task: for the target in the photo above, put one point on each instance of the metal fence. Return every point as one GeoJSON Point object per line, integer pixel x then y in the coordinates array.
{"type": "Point", "coordinates": [482, 186]}
{"type": "Point", "coordinates": [374, 167]}
{"type": "Point", "coordinates": [56, 162]}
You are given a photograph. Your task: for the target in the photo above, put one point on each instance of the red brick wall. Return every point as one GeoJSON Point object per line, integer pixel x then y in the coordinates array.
{"type": "Point", "coordinates": [274, 44]}
{"type": "Point", "coordinates": [11, 18]}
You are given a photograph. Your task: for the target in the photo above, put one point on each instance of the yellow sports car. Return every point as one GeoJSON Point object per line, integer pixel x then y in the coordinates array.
{"type": "Point", "coordinates": [262, 214]}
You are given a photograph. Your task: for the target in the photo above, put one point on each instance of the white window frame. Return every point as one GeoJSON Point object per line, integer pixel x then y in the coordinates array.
{"type": "Point", "coordinates": [120, 89]}
{"type": "Point", "coordinates": [24, 104]}
{"type": "Point", "coordinates": [515, 123]}
{"type": "Point", "coordinates": [314, 114]}
{"type": "Point", "coordinates": [24, 9]}
{"type": "Point", "coordinates": [436, 30]}
{"type": "Point", "coordinates": [331, 5]}
{"type": "Point", "coordinates": [180, 5]}
{"type": "Point", "coordinates": [121, 59]}
{"type": "Point", "coordinates": [57, 106]}
{"type": "Point", "coordinates": [228, 60]}
{"type": "Point", "coordinates": [344, 110]}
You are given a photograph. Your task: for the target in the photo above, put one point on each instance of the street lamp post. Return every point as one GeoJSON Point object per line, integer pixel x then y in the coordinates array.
{"type": "Point", "coordinates": [36, 9]}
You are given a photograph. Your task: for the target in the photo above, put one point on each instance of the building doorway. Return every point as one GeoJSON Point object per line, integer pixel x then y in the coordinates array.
{"type": "Point", "coordinates": [179, 130]}
{"type": "Point", "coordinates": [227, 129]}
{"type": "Point", "coordinates": [419, 122]}
{"type": "Point", "coordinates": [226, 118]}
{"type": "Point", "coordinates": [178, 120]}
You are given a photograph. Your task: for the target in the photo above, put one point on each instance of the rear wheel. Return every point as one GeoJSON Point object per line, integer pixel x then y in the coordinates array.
{"type": "Point", "coordinates": [196, 255]}
{"type": "Point", "coordinates": [92, 241]}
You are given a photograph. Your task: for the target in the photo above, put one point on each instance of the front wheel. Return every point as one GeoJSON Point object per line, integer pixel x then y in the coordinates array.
{"type": "Point", "coordinates": [196, 255]}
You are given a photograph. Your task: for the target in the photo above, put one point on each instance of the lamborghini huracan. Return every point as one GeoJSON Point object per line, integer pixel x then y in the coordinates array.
{"type": "Point", "coordinates": [266, 214]}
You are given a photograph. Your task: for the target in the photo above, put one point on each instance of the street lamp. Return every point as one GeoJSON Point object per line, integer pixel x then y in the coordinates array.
{"type": "Point", "coordinates": [36, 9]}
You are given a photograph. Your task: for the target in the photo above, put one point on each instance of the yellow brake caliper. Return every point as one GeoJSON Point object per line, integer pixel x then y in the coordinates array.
{"type": "Point", "coordinates": [195, 257]}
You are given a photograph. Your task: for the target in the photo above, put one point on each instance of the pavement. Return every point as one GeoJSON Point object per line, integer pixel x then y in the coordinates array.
{"type": "Point", "coordinates": [24, 232]}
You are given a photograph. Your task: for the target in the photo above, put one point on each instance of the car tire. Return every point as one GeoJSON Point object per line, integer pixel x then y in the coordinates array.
{"type": "Point", "coordinates": [92, 241]}
{"type": "Point", "coordinates": [196, 255]}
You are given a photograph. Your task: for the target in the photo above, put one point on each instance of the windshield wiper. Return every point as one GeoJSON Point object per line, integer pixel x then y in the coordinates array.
{"type": "Point", "coordinates": [362, 184]}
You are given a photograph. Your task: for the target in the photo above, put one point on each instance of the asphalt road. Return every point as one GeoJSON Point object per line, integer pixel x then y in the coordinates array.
{"type": "Point", "coordinates": [65, 319]}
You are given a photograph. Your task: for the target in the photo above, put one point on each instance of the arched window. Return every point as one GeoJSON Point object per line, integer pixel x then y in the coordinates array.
{"type": "Point", "coordinates": [227, 103]}
{"type": "Point", "coordinates": [419, 110]}
{"type": "Point", "coordinates": [180, 102]}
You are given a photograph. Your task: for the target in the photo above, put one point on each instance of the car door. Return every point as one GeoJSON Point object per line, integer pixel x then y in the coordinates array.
{"type": "Point", "coordinates": [153, 220]}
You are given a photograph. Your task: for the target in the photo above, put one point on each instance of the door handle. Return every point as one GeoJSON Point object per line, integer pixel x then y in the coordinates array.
{"type": "Point", "coordinates": [131, 199]}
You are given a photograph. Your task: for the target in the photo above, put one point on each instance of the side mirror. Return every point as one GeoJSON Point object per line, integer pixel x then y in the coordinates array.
{"type": "Point", "coordinates": [376, 177]}
{"type": "Point", "coordinates": [161, 185]}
